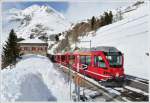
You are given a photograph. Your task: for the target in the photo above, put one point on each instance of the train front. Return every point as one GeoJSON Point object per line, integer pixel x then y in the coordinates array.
{"type": "Point", "coordinates": [115, 63]}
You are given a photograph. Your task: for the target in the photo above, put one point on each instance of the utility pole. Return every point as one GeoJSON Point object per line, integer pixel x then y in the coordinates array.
{"type": "Point", "coordinates": [77, 87]}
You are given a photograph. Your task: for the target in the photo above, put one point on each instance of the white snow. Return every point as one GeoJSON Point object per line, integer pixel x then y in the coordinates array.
{"type": "Point", "coordinates": [33, 79]}
{"type": "Point", "coordinates": [129, 35]}
{"type": "Point", "coordinates": [39, 20]}
{"type": "Point", "coordinates": [61, 37]}
{"type": "Point", "coordinates": [113, 91]}
{"type": "Point", "coordinates": [52, 50]}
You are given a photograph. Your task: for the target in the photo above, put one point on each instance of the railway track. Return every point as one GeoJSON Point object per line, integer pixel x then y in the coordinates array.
{"type": "Point", "coordinates": [138, 83]}
{"type": "Point", "coordinates": [109, 96]}
{"type": "Point", "coordinates": [134, 89]}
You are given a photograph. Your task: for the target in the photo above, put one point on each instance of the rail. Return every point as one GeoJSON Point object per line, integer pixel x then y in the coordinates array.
{"type": "Point", "coordinates": [95, 83]}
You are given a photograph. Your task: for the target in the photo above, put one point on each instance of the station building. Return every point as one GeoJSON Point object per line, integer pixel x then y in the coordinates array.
{"type": "Point", "coordinates": [33, 46]}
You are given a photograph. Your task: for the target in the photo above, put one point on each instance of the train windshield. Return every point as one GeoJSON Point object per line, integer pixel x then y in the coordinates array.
{"type": "Point", "coordinates": [99, 62]}
{"type": "Point", "coordinates": [115, 59]}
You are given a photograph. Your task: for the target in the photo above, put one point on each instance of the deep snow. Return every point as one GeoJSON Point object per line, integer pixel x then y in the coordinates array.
{"type": "Point", "coordinates": [34, 79]}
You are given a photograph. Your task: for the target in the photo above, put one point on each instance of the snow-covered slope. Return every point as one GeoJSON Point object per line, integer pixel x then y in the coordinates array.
{"type": "Point", "coordinates": [37, 20]}
{"type": "Point", "coordinates": [130, 35]}
{"type": "Point", "coordinates": [34, 79]}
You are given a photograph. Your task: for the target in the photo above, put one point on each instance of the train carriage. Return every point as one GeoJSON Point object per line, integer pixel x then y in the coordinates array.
{"type": "Point", "coordinates": [104, 64]}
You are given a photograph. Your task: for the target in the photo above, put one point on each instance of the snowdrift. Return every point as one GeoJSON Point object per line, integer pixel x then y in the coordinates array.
{"type": "Point", "coordinates": [34, 79]}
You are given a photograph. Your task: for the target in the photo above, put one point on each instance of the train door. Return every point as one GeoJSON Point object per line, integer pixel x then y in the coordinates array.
{"type": "Point", "coordinates": [63, 59]}
{"type": "Point", "coordinates": [85, 63]}
{"type": "Point", "coordinates": [72, 61]}
{"type": "Point", "coordinates": [67, 59]}
{"type": "Point", "coordinates": [100, 67]}
{"type": "Point", "coordinates": [59, 58]}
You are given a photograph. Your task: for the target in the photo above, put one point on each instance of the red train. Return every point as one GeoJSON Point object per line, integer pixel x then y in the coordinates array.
{"type": "Point", "coordinates": [104, 64]}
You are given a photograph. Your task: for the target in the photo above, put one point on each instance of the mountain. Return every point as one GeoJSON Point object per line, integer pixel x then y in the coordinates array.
{"type": "Point", "coordinates": [38, 21]}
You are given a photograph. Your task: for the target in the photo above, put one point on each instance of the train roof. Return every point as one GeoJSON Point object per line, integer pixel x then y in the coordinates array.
{"type": "Point", "coordinates": [100, 48]}
{"type": "Point", "coordinates": [87, 51]}
{"type": "Point", "coordinates": [107, 49]}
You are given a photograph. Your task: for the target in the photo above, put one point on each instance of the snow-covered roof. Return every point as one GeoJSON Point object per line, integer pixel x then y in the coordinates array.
{"type": "Point", "coordinates": [32, 41]}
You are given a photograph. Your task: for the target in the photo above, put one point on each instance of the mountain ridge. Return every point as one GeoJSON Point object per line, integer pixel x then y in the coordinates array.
{"type": "Point", "coordinates": [38, 21]}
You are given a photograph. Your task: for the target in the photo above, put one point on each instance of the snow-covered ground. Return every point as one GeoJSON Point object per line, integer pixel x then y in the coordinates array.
{"type": "Point", "coordinates": [34, 79]}
{"type": "Point", "coordinates": [129, 35]}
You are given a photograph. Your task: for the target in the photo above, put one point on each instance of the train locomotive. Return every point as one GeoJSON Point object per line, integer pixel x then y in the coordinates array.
{"type": "Point", "coordinates": [104, 64]}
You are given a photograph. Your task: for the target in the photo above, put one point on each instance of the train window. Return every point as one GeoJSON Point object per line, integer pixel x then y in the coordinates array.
{"type": "Point", "coordinates": [99, 62]}
{"type": "Point", "coordinates": [57, 57]}
{"type": "Point", "coordinates": [114, 60]}
{"type": "Point", "coordinates": [63, 58]}
{"type": "Point", "coordinates": [85, 60]}
{"type": "Point", "coordinates": [82, 59]}
{"type": "Point", "coordinates": [71, 59]}
{"type": "Point", "coordinates": [88, 60]}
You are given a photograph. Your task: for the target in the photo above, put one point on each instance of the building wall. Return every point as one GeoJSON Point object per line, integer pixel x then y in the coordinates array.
{"type": "Point", "coordinates": [33, 49]}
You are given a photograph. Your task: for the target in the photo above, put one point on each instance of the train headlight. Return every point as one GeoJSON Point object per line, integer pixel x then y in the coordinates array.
{"type": "Point", "coordinates": [117, 74]}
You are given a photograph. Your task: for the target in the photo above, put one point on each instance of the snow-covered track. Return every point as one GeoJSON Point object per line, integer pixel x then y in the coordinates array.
{"type": "Point", "coordinates": [126, 93]}
{"type": "Point", "coordinates": [110, 93]}
{"type": "Point", "coordinates": [138, 83]}
{"type": "Point", "coordinates": [133, 95]}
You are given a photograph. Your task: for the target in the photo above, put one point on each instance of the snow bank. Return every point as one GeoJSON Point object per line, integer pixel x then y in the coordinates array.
{"type": "Point", "coordinates": [129, 35]}
{"type": "Point", "coordinates": [34, 79]}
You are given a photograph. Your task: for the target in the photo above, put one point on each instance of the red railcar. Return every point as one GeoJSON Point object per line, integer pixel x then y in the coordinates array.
{"type": "Point", "coordinates": [102, 64]}
{"type": "Point", "coordinates": [57, 58]}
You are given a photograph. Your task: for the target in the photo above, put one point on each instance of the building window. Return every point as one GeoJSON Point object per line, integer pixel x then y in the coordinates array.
{"type": "Point", "coordinates": [21, 48]}
{"type": "Point", "coordinates": [33, 49]}
{"type": "Point", "coordinates": [40, 49]}
{"type": "Point", "coordinates": [25, 48]}
{"type": "Point", "coordinates": [45, 48]}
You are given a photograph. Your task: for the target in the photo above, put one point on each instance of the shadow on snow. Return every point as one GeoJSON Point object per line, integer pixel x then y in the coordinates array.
{"type": "Point", "coordinates": [34, 89]}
